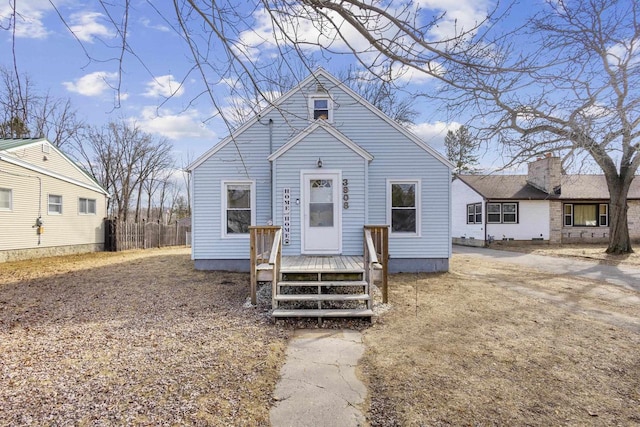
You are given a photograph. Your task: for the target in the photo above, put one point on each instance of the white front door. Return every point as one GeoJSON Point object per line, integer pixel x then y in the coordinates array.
{"type": "Point", "coordinates": [321, 213]}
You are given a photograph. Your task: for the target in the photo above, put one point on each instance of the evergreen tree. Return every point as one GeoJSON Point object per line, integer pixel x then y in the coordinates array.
{"type": "Point", "coordinates": [461, 150]}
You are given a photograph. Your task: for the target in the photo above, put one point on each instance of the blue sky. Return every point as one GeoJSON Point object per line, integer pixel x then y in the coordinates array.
{"type": "Point", "coordinates": [47, 51]}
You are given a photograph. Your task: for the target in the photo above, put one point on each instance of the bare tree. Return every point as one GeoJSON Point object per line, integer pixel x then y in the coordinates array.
{"type": "Point", "coordinates": [24, 113]}
{"type": "Point", "coordinates": [122, 157]}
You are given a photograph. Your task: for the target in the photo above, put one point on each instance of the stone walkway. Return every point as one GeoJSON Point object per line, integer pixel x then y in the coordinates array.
{"type": "Point", "coordinates": [318, 384]}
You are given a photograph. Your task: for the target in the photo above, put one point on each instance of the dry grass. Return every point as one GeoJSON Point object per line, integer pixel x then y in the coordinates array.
{"type": "Point", "coordinates": [134, 338]}
{"type": "Point", "coordinates": [504, 345]}
{"type": "Point", "coordinates": [141, 338]}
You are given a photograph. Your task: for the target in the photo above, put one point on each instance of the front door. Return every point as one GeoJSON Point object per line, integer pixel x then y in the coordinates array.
{"type": "Point", "coordinates": [321, 213]}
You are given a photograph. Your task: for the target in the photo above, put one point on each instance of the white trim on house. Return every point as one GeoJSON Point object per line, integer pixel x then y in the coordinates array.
{"type": "Point", "coordinates": [31, 167]}
{"type": "Point", "coordinates": [321, 72]}
{"type": "Point", "coordinates": [223, 213]}
{"type": "Point", "coordinates": [329, 129]}
{"type": "Point", "coordinates": [418, 207]}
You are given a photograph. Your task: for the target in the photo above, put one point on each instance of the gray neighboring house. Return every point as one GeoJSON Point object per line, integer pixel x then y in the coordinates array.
{"type": "Point", "coordinates": [544, 205]}
{"type": "Point", "coordinates": [322, 162]}
{"type": "Point", "coordinates": [48, 204]}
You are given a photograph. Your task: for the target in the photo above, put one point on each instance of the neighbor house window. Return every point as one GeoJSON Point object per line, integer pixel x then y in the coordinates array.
{"type": "Point", "coordinates": [502, 213]}
{"type": "Point", "coordinates": [238, 202]}
{"type": "Point", "coordinates": [474, 213]}
{"type": "Point", "coordinates": [321, 108]}
{"type": "Point", "coordinates": [55, 204]}
{"type": "Point", "coordinates": [6, 199]}
{"type": "Point", "coordinates": [87, 206]}
{"type": "Point", "coordinates": [404, 207]}
{"type": "Point", "coordinates": [586, 215]}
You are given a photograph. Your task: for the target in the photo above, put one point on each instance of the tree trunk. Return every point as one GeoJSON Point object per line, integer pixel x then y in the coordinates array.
{"type": "Point", "coordinates": [619, 241]}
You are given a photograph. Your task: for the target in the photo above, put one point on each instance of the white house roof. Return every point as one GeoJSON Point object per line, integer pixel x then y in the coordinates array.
{"type": "Point", "coordinates": [329, 129]}
{"type": "Point", "coordinates": [321, 72]}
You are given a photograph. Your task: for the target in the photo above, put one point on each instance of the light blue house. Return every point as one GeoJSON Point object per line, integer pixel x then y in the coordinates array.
{"type": "Point", "coordinates": [322, 163]}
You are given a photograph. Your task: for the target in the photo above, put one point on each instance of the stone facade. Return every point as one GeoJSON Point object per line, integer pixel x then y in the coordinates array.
{"type": "Point", "coordinates": [22, 254]}
{"type": "Point", "coordinates": [555, 221]}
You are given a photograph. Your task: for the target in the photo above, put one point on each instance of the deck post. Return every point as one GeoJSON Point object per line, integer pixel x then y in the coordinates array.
{"type": "Point", "coordinates": [253, 265]}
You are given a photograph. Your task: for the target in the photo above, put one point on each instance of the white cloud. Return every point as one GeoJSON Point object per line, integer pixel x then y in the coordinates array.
{"type": "Point", "coordinates": [93, 84]}
{"type": "Point", "coordinates": [434, 133]}
{"type": "Point", "coordinates": [164, 86]}
{"type": "Point", "coordinates": [173, 126]}
{"type": "Point", "coordinates": [459, 15]}
{"type": "Point", "coordinates": [87, 26]}
{"type": "Point", "coordinates": [29, 17]}
{"type": "Point", "coordinates": [146, 22]}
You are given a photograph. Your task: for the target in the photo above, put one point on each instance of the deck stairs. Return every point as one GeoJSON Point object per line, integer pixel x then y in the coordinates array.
{"type": "Point", "coordinates": [322, 286]}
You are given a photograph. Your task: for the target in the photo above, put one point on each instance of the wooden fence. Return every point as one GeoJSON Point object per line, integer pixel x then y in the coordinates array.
{"type": "Point", "coordinates": [121, 236]}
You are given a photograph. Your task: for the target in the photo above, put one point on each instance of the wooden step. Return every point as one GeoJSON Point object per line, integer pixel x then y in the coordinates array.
{"type": "Point", "coordinates": [324, 283]}
{"type": "Point", "coordinates": [360, 312]}
{"type": "Point", "coordinates": [323, 297]}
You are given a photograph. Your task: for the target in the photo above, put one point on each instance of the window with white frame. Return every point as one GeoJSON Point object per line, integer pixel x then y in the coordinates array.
{"type": "Point", "coordinates": [474, 213]}
{"type": "Point", "coordinates": [6, 199]}
{"type": "Point", "coordinates": [404, 207]}
{"type": "Point", "coordinates": [55, 204]}
{"type": "Point", "coordinates": [86, 206]}
{"type": "Point", "coordinates": [586, 214]}
{"type": "Point", "coordinates": [321, 108]}
{"type": "Point", "coordinates": [238, 201]}
{"type": "Point", "coordinates": [502, 213]}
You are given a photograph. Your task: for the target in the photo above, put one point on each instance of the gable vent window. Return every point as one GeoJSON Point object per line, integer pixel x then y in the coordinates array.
{"type": "Point", "coordinates": [321, 108]}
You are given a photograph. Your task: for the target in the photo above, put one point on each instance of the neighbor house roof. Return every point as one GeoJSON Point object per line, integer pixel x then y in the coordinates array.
{"type": "Point", "coordinates": [515, 187]}
{"type": "Point", "coordinates": [9, 144]}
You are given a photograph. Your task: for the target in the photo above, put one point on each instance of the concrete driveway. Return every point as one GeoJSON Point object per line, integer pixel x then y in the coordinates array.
{"type": "Point", "coordinates": [620, 275]}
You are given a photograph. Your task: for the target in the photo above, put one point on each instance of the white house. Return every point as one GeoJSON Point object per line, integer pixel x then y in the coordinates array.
{"type": "Point", "coordinates": [48, 204]}
{"type": "Point", "coordinates": [323, 162]}
{"type": "Point", "coordinates": [544, 205]}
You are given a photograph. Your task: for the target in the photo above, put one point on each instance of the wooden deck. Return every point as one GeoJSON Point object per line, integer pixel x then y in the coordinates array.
{"type": "Point", "coordinates": [322, 264]}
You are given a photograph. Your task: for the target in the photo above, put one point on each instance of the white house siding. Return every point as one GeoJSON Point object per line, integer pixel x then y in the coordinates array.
{"type": "Point", "coordinates": [335, 156]}
{"type": "Point", "coordinates": [55, 161]}
{"type": "Point", "coordinates": [17, 227]}
{"type": "Point", "coordinates": [463, 233]}
{"type": "Point", "coordinates": [533, 222]}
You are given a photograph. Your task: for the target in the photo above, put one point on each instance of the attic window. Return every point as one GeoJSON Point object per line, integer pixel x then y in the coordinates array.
{"type": "Point", "coordinates": [321, 108]}
{"type": "Point", "coordinates": [45, 148]}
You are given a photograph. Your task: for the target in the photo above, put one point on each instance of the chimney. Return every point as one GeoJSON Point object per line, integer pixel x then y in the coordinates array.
{"type": "Point", "coordinates": [545, 174]}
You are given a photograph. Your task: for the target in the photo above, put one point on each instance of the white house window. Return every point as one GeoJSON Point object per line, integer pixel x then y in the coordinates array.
{"type": "Point", "coordinates": [87, 206]}
{"type": "Point", "coordinates": [321, 108]}
{"type": "Point", "coordinates": [404, 207]}
{"type": "Point", "coordinates": [502, 213]}
{"type": "Point", "coordinates": [238, 207]}
{"type": "Point", "coordinates": [474, 213]}
{"type": "Point", "coordinates": [586, 215]}
{"type": "Point", "coordinates": [6, 199]}
{"type": "Point", "coordinates": [55, 204]}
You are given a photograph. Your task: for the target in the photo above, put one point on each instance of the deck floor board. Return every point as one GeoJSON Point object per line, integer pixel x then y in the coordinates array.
{"type": "Point", "coordinates": [321, 264]}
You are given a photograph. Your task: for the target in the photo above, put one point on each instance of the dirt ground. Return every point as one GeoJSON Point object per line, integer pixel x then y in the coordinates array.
{"type": "Point", "coordinates": [504, 345]}
{"type": "Point", "coordinates": [132, 338]}
{"type": "Point", "coordinates": [140, 338]}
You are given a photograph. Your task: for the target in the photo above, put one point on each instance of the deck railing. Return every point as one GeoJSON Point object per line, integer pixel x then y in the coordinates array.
{"type": "Point", "coordinates": [265, 252]}
{"type": "Point", "coordinates": [376, 256]}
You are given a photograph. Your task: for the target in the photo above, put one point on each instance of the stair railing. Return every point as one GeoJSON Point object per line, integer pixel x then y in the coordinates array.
{"type": "Point", "coordinates": [376, 256]}
{"type": "Point", "coordinates": [264, 245]}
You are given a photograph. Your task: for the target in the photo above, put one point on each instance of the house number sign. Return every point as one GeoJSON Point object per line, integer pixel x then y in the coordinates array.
{"type": "Point", "coordinates": [286, 216]}
{"type": "Point", "coordinates": [345, 193]}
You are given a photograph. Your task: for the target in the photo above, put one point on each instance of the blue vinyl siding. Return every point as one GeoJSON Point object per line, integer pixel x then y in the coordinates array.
{"type": "Point", "coordinates": [395, 157]}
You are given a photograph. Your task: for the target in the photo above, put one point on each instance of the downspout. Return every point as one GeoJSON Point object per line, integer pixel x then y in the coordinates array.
{"type": "Point", "coordinates": [271, 169]}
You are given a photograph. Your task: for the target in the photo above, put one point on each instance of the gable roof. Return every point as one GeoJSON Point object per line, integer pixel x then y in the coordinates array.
{"type": "Point", "coordinates": [331, 130]}
{"type": "Point", "coordinates": [9, 145]}
{"type": "Point", "coordinates": [320, 72]}
{"type": "Point", "coordinates": [513, 187]}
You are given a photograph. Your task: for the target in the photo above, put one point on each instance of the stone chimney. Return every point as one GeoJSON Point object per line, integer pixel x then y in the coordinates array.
{"type": "Point", "coordinates": [545, 174]}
